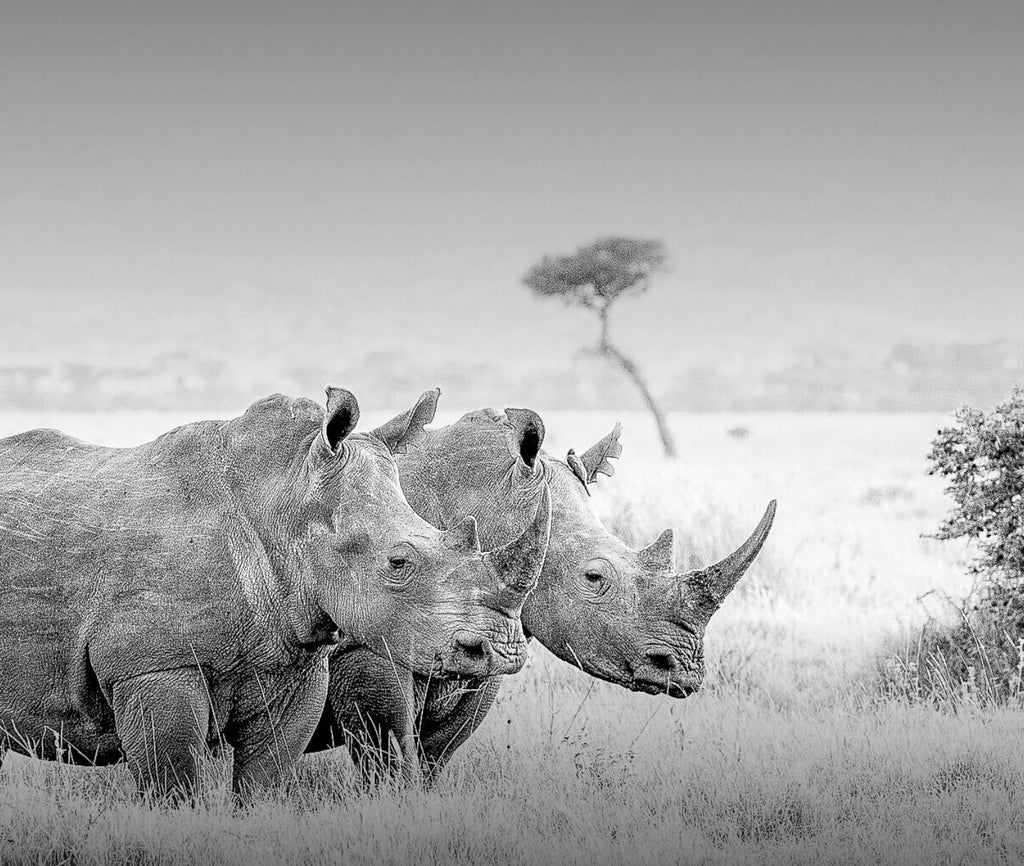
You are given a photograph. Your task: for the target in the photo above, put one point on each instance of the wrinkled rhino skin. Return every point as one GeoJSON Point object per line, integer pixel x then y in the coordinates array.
{"type": "Point", "coordinates": [160, 599]}
{"type": "Point", "coordinates": [620, 614]}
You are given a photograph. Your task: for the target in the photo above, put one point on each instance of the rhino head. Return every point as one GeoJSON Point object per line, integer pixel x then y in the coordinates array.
{"type": "Point", "coordinates": [620, 614]}
{"type": "Point", "coordinates": [424, 598]}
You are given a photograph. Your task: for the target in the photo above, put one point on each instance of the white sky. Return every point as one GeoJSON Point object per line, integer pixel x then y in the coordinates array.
{"type": "Point", "coordinates": [318, 179]}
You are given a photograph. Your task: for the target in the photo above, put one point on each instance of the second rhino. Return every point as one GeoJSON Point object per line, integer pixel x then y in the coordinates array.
{"type": "Point", "coordinates": [620, 614]}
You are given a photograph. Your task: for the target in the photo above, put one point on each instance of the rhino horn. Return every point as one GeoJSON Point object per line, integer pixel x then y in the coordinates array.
{"type": "Point", "coordinates": [407, 428]}
{"type": "Point", "coordinates": [704, 590]}
{"type": "Point", "coordinates": [659, 556]}
{"type": "Point", "coordinates": [463, 537]}
{"type": "Point", "coordinates": [518, 563]}
{"type": "Point", "coordinates": [595, 458]}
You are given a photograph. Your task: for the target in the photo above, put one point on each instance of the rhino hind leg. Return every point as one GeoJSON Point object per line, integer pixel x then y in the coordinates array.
{"type": "Point", "coordinates": [163, 719]}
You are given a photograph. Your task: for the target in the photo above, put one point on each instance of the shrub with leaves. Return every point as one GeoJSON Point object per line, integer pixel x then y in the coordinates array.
{"type": "Point", "coordinates": [982, 457]}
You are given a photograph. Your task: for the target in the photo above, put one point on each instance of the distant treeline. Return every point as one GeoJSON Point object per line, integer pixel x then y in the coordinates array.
{"type": "Point", "coordinates": [910, 377]}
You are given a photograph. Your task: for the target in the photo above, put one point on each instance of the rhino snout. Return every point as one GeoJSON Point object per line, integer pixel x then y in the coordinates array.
{"type": "Point", "coordinates": [662, 672]}
{"type": "Point", "coordinates": [473, 654]}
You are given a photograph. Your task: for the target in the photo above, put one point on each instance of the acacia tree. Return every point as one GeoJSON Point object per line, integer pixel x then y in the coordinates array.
{"type": "Point", "coordinates": [596, 276]}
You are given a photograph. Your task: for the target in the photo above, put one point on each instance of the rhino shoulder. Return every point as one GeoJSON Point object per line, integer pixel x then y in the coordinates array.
{"type": "Point", "coordinates": [39, 440]}
{"type": "Point", "coordinates": [31, 460]}
{"type": "Point", "coordinates": [281, 408]}
{"type": "Point", "coordinates": [274, 423]}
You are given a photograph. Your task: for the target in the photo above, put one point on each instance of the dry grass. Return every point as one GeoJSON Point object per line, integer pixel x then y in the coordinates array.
{"type": "Point", "coordinates": [790, 755]}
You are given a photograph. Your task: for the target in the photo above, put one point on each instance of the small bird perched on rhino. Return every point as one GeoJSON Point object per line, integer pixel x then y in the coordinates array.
{"type": "Point", "coordinates": [620, 614]}
{"type": "Point", "coordinates": [160, 599]}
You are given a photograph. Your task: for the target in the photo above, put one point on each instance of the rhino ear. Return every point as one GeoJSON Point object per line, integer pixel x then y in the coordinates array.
{"type": "Point", "coordinates": [595, 459]}
{"type": "Point", "coordinates": [340, 418]}
{"type": "Point", "coordinates": [528, 434]}
{"type": "Point", "coordinates": [406, 429]}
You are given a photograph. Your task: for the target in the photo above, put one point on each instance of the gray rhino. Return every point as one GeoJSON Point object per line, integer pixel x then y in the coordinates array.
{"type": "Point", "coordinates": [620, 614]}
{"type": "Point", "coordinates": [158, 600]}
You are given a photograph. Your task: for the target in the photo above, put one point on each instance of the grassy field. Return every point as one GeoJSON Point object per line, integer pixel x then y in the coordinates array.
{"type": "Point", "coordinates": [791, 754]}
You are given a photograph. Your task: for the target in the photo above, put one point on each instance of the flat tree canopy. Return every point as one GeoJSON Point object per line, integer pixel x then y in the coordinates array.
{"type": "Point", "coordinates": [595, 275]}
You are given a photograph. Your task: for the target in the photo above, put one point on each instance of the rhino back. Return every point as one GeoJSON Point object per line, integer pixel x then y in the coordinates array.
{"type": "Point", "coordinates": [118, 561]}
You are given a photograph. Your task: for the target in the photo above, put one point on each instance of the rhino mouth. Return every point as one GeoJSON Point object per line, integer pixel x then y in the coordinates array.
{"type": "Point", "coordinates": [662, 687]}
{"type": "Point", "coordinates": [474, 655]}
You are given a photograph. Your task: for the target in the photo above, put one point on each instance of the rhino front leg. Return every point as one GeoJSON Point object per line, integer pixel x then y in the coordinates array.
{"type": "Point", "coordinates": [269, 744]}
{"type": "Point", "coordinates": [373, 712]}
{"type": "Point", "coordinates": [442, 735]}
{"type": "Point", "coordinates": [374, 751]}
{"type": "Point", "coordinates": [163, 719]}
{"type": "Point", "coordinates": [402, 730]}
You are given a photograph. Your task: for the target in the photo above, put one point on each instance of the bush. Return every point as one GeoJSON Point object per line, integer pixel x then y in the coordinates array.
{"type": "Point", "coordinates": [982, 457]}
{"type": "Point", "coordinates": [976, 660]}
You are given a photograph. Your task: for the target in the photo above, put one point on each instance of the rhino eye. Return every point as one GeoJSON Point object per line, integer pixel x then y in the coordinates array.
{"type": "Point", "coordinates": [400, 569]}
{"type": "Point", "coordinates": [594, 579]}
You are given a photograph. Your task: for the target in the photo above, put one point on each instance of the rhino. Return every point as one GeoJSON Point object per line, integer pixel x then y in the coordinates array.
{"type": "Point", "coordinates": [619, 614]}
{"type": "Point", "coordinates": [160, 600]}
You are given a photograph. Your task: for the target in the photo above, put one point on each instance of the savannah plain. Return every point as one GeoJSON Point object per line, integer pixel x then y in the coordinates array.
{"type": "Point", "coordinates": [795, 751]}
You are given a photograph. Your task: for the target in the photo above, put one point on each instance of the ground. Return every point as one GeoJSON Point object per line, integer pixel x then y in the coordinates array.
{"type": "Point", "coordinates": [792, 753]}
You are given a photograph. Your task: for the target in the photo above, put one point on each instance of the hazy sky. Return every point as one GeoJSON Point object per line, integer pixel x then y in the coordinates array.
{"type": "Point", "coordinates": [331, 178]}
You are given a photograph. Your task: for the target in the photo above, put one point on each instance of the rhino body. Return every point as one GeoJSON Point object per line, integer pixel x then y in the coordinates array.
{"type": "Point", "coordinates": [619, 614]}
{"type": "Point", "coordinates": [159, 599]}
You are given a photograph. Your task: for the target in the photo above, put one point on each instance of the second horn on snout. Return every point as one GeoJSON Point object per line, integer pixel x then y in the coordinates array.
{"type": "Point", "coordinates": [659, 556]}
{"type": "Point", "coordinates": [463, 537]}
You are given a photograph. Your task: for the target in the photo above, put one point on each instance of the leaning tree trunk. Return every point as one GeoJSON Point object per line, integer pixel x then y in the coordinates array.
{"type": "Point", "coordinates": [630, 368]}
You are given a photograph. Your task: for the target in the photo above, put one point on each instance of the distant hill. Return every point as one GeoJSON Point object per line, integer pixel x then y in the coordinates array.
{"type": "Point", "coordinates": [908, 377]}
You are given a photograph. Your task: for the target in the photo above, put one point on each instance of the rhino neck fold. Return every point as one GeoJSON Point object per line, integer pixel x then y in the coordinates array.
{"type": "Point", "coordinates": [319, 610]}
{"type": "Point", "coordinates": [536, 615]}
{"type": "Point", "coordinates": [283, 554]}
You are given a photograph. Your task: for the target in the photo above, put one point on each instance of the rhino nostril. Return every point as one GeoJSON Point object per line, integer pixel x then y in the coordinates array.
{"type": "Point", "coordinates": [476, 648]}
{"type": "Point", "coordinates": [663, 661]}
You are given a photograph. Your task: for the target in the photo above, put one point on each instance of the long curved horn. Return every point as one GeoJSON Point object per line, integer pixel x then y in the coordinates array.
{"type": "Point", "coordinates": [705, 589]}
{"type": "Point", "coordinates": [518, 563]}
